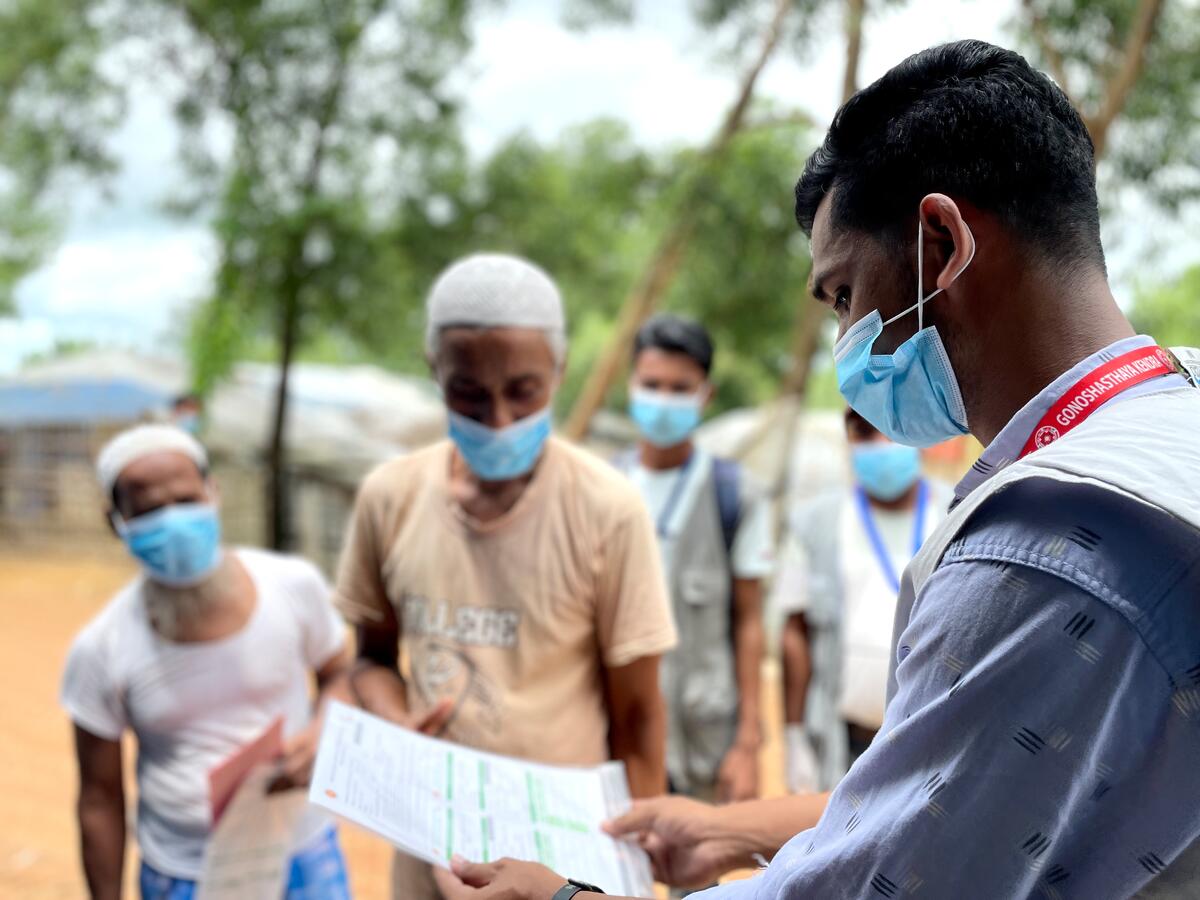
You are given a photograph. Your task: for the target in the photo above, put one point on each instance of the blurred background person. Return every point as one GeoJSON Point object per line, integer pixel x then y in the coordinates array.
{"type": "Point", "coordinates": [839, 577]}
{"type": "Point", "coordinates": [714, 536]}
{"type": "Point", "coordinates": [187, 411]}
{"type": "Point", "coordinates": [518, 572]}
{"type": "Point", "coordinates": [197, 656]}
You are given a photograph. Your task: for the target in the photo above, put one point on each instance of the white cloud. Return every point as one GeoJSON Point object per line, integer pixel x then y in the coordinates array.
{"type": "Point", "coordinates": [534, 74]}
{"type": "Point", "coordinates": [21, 338]}
{"type": "Point", "coordinates": [127, 287]}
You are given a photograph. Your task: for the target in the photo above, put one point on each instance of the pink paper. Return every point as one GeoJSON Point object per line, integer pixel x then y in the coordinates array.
{"type": "Point", "coordinates": [225, 778]}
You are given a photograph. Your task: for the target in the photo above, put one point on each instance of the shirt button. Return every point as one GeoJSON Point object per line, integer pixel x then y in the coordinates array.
{"type": "Point", "coordinates": [903, 652]}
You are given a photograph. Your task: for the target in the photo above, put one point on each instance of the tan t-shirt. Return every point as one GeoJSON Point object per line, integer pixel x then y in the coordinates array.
{"type": "Point", "coordinates": [513, 619]}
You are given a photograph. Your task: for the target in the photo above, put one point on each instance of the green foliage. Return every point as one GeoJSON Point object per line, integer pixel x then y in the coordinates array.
{"type": "Point", "coordinates": [55, 107]}
{"type": "Point", "coordinates": [1155, 143]}
{"type": "Point", "coordinates": [746, 270]}
{"type": "Point", "coordinates": [340, 121]}
{"type": "Point", "coordinates": [1170, 312]}
{"type": "Point", "coordinates": [590, 207]}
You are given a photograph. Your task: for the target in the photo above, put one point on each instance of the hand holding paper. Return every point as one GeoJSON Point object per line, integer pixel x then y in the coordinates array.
{"type": "Point", "coordinates": [436, 800]}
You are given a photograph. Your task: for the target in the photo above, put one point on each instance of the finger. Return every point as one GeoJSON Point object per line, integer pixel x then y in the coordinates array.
{"type": "Point", "coordinates": [450, 886]}
{"type": "Point", "coordinates": [641, 817]}
{"type": "Point", "coordinates": [658, 853]}
{"type": "Point", "coordinates": [433, 721]}
{"type": "Point", "coordinates": [474, 874]}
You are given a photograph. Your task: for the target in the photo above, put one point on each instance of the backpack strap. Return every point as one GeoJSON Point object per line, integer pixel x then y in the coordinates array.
{"type": "Point", "coordinates": [727, 475]}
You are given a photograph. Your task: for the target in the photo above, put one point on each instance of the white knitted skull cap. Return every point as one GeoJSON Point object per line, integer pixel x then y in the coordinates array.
{"type": "Point", "coordinates": [495, 290]}
{"type": "Point", "coordinates": [134, 443]}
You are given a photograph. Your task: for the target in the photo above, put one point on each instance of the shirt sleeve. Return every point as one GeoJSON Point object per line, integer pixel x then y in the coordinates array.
{"type": "Point", "coordinates": [753, 554]}
{"type": "Point", "coordinates": [791, 579]}
{"type": "Point", "coordinates": [633, 610]}
{"type": "Point", "coordinates": [1035, 745]}
{"type": "Point", "coordinates": [360, 595]}
{"type": "Point", "coordinates": [324, 630]}
{"type": "Point", "coordinates": [89, 692]}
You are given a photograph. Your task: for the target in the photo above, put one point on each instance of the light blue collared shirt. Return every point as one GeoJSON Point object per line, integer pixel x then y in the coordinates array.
{"type": "Point", "coordinates": [1044, 739]}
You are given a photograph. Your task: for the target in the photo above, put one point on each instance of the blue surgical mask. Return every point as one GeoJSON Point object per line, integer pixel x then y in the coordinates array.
{"type": "Point", "coordinates": [665, 420]}
{"type": "Point", "coordinates": [885, 470]}
{"type": "Point", "coordinates": [498, 454]}
{"type": "Point", "coordinates": [912, 395]}
{"type": "Point", "coordinates": [178, 545]}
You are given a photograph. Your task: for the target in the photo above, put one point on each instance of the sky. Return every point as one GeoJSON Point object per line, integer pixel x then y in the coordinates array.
{"type": "Point", "coordinates": [125, 273]}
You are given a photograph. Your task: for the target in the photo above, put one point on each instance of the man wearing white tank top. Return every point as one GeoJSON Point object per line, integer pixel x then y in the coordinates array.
{"type": "Point", "coordinates": [196, 656]}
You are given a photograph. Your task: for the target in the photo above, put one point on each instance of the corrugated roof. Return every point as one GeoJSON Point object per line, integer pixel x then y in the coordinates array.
{"type": "Point", "coordinates": [78, 403]}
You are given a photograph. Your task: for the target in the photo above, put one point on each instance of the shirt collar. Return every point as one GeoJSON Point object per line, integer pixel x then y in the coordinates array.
{"type": "Point", "coordinates": [1006, 447]}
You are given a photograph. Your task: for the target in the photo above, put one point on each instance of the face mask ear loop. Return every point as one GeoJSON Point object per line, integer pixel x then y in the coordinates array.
{"type": "Point", "coordinates": [920, 275]}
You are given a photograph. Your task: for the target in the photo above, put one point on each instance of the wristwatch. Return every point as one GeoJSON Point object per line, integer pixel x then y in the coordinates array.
{"type": "Point", "coordinates": [573, 887]}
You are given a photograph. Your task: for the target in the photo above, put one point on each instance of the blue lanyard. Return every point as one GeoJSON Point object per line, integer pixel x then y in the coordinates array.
{"type": "Point", "coordinates": [664, 518]}
{"type": "Point", "coordinates": [877, 544]}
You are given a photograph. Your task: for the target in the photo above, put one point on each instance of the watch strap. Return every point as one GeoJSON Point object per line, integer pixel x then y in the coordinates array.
{"type": "Point", "coordinates": [573, 887]}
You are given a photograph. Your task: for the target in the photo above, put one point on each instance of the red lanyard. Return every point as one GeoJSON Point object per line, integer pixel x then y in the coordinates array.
{"type": "Point", "coordinates": [1098, 386]}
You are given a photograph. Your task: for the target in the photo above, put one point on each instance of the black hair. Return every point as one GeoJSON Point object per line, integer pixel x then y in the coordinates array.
{"type": "Point", "coordinates": [855, 422]}
{"type": "Point", "coordinates": [676, 334]}
{"type": "Point", "coordinates": [968, 119]}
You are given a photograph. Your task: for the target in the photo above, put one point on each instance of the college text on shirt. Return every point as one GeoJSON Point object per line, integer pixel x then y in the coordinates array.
{"type": "Point", "coordinates": [476, 626]}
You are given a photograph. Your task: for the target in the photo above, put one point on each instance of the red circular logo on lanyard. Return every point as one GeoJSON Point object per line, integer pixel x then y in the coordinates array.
{"type": "Point", "coordinates": [1047, 434]}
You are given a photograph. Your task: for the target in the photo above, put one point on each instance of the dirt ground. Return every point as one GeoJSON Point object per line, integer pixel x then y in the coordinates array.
{"type": "Point", "coordinates": [44, 601]}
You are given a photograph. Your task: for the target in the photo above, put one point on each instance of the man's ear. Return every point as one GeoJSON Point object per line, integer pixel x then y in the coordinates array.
{"type": "Point", "coordinates": [110, 520]}
{"type": "Point", "coordinates": [709, 393]}
{"type": "Point", "coordinates": [949, 245]}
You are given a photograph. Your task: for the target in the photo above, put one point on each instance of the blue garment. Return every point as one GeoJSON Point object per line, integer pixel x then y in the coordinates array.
{"type": "Point", "coordinates": [317, 873]}
{"type": "Point", "coordinates": [1044, 736]}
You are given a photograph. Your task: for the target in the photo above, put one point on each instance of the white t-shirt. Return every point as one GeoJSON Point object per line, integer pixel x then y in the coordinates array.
{"type": "Point", "coordinates": [752, 555]}
{"type": "Point", "coordinates": [868, 595]}
{"type": "Point", "coordinates": [192, 705]}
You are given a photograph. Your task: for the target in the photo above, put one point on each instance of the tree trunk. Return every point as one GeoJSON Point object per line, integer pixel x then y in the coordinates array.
{"type": "Point", "coordinates": [1125, 73]}
{"type": "Point", "coordinates": [660, 271]}
{"type": "Point", "coordinates": [279, 520]}
{"type": "Point", "coordinates": [855, 10]}
{"type": "Point", "coordinates": [278, 498]}
{"type": "Point", "coordinates": [806, 331]}
{"type": "Point", "coordinates": [1128, 71]}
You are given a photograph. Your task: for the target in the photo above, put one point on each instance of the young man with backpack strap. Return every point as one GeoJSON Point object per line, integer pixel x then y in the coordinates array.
{"type": "Point", "coordinates": [714, 534]}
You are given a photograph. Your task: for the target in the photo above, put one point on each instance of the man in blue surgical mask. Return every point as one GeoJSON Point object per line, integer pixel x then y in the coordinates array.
{"type": "Point", "coordinates": [518, 572]}
{"type": "Point", "coordinates": [714, 534]}
{"type": "Point", "coordinates": [196, 656]}
{"type": "Point", "coordinates": [838, 579]}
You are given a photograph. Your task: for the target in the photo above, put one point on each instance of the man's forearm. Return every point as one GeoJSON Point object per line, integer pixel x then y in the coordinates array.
{"type": "Point", "coordinates": [376, 688]}
{"type": "Point", "coordinates": [797, 669]}
{"type": "Point", "coordinates": [641, 742]}
{"type": "Point", "coordinates": [760, 827]}
{"type": "Point", "coordinates": [748, 655]}
{"type": "Point", "coordinates": [102, 845]}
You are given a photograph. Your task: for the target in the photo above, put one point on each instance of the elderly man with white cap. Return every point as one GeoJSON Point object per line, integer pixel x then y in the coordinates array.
{"type": "Point", "coordinates": [518, 573]}
{"type": "Point", "coordinates": [196, 656]}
